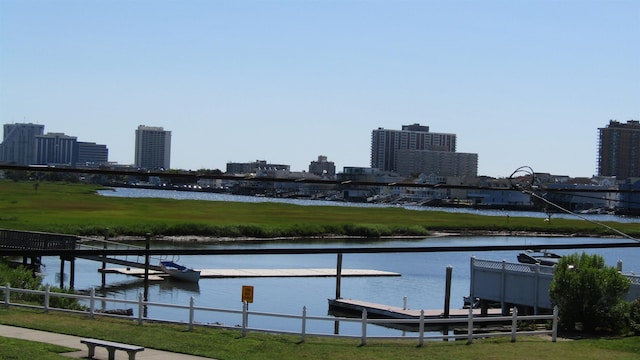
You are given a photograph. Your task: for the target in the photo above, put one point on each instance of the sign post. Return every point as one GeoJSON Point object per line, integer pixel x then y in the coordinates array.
{"type": "Point", "coordinates": [247, 294]}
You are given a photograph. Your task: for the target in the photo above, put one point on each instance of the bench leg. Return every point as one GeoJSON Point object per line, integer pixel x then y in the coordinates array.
{"type": "Point", "coordinates": [132, 355]}
{"type": "Point", "coordinates": [112, 353]}
{"type": "Point", "coordinates": [92, 351]}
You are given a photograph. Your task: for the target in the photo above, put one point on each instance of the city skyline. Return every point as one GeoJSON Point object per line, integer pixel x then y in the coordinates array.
{"type": "Point", "coordinates": [519, 83]}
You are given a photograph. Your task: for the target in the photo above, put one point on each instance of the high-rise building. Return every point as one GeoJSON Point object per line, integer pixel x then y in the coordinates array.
{"type": "Point", "coordinates": [55, 149]}
{"type": "Point", "coordinates": [19, 143]}
{"type": "Point", "coordinates": [388, 146]}
{"type": "Point", "coordinates": [153, 147]}
{"type": "Point", "coordinates": [442, 163]}
{"type": "Point", "coordinates": [619, 149]}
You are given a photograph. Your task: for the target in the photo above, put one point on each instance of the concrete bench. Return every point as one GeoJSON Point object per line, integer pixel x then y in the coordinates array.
{"type": "Point", "coordinates": [111, 347]}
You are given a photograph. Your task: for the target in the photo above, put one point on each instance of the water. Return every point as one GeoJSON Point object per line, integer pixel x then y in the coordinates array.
{"type": "Point", "coordinates": [422, 280]}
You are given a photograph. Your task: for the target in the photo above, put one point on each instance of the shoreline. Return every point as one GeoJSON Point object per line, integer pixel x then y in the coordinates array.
{"type": "Point", "coordinates": [203, 239]}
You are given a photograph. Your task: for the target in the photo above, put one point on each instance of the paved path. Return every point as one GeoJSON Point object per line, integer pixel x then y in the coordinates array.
{"type": "Point", "coordinates": [74, 342]}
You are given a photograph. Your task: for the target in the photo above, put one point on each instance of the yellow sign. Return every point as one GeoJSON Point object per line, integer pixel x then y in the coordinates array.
{"type": "Point", "coordinates": [247, 293]}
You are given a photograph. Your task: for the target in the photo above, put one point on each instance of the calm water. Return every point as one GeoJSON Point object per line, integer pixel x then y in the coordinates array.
{"type": "Point", "coordinates": [422, 280]}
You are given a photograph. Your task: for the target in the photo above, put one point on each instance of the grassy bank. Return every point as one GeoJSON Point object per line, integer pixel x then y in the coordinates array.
{"type": "Point", "coordinates": [77, 209]}
{"type": "Point", "coordinates": [230, 345]}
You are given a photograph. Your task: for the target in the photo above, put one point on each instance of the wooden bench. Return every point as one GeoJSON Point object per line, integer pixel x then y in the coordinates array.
{"type": "Point", "coordinates": [111, 347]}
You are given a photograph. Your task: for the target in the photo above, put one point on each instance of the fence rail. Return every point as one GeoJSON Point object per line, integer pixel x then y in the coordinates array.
{"type": "Point", "coordinates": [472, 321]}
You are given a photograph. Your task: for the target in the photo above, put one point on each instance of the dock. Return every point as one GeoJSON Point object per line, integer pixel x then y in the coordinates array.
{"type": "Point", "coordinates": [435, 318]}
{"type": "Point", "coordinates": [256, 273]}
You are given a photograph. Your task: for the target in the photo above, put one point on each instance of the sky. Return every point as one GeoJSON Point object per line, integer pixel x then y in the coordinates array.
{"type": "Point", "coordinates": [520, 82]}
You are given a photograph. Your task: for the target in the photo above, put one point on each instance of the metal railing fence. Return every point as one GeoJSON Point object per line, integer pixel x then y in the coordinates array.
{"type": "Point", "coordinates": [472, 321]}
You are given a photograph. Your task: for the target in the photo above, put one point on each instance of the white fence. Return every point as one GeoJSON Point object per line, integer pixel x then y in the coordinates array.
{"type": "Point", "coordinates": [190, 310]}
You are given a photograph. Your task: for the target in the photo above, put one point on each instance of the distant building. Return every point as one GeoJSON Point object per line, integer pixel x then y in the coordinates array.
{"type": "Point", "coordinates": [619, 150]}
{"type": "Point", "coordinates": [91, 154]}
{"type": "Point", "coordinates": [260, 167]}
{"type": "Point", "coordinates": [322, 167]}
{"type": "Point", "coordinates": [19, 143]}
{"type": "Point", "coordinates": [55, 149]}
{"type": "Point", "coordinates": [443, 163]}
{"type": "Point", "coordinates": [414, 150]}
{"type": "Point", "coordinates": [153, 148]}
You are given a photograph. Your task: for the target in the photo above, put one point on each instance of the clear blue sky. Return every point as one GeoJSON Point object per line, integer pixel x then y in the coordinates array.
{"type": "Point", "coordinates": [519, 82]}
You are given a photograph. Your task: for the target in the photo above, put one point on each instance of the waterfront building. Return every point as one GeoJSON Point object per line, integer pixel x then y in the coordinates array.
{"type": "Point", "coordinates": [322, 167]}
{"type": "Point", "coordinates": [258, 167]}
{"type": "Point", "coordinates": [443, 163]}
{"type": "Point", "coordinates": [91, 154]}
{"type": "Point", "coordinates": [414, 150]}
{"type": "Point", "coordinates": [55, 149]}
{"type": "Point", "coordinates": [153, 148]}
{"type": "Point", "coordinates": [19, 143]}
{"type": "Point", "coordinates": [619, 149]}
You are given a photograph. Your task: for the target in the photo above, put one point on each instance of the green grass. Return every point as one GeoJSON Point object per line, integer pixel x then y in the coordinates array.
{"type": "Point", "coordinates": [77, 209]}
{"type": "Point", "coordinates": [17, 349]}
{"type": "Point", "coordinates": [230, 345]}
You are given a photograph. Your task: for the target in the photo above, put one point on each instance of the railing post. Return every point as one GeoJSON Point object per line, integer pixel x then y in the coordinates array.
{"type": "Point", "coordinates": [304, 323]}
{"type": "Point", "coordinates": [421, 329]}
{"type": "Point", "coordinates": [7, 290]}
{"type": "Point", "coordinates": [364, 327]}
{"type": "Point", "coordinates": [404, 301]}
{"type": "Point", "coordinates": [46, 297]}
{"type": "Point", "coordinates": [92, 302]}
{"type": "Point", "coordinates": [470, 326]}
{"type": "Point", "coordinates": [554, 327]}
{"type": "Point", "coordinates": [514, 324]}
{"type": "Point", "coordinates": [140, 308]}
{"type": "Point", "coordinates": [191, 313]}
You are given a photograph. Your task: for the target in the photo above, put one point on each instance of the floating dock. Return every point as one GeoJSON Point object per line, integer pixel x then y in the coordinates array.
{"type": "Point", "coordinates": [435, 319]}
{"type": "Point", "coordinates": [256, 273]}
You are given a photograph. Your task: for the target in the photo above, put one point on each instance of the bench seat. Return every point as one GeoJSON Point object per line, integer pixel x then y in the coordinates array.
{"type": "Point", "coordinates": [111, 347]}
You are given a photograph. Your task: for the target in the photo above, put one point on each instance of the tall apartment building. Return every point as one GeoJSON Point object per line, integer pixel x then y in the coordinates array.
{"type": "Point", "coordinates": [56, 149]}
{"type": "Point", "coordinates": [416, 150]}
{"type": "Point", "coordinates": [19, 143]}
{"type": "Point", "coordinates": [442, 163]}
{"type": "Point", "coordinates": [619, 149]}
{"type": "Point", "coordinates": [153, 148]}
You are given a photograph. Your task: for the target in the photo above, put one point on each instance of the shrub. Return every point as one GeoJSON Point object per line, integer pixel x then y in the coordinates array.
{"type": "Point", "coordinates": [588, 292]}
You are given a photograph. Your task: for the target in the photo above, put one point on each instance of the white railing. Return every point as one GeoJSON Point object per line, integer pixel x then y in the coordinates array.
{"type": "Point", "coordinates": [421, 323]}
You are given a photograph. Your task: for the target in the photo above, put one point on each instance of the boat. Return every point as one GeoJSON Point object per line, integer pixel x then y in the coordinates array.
{"type": "Point", "coordinates": [180, 272]}
{"type": "Point", "coordinates": [543, 257]}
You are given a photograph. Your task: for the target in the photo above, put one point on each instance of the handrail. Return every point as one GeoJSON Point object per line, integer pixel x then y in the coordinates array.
{"type": "Point", "coordinates": [421, 322]}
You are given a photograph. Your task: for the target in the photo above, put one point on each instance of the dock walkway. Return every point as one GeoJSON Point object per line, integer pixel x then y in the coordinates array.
{"type": "Point", "coordinates": [388, 311]}
{"type": "Point", "coordinates": [257, 273]}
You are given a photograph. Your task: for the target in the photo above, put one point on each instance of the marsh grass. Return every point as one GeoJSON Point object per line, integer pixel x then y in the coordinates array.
{"type": "Point", "coordinates": [77, 209]}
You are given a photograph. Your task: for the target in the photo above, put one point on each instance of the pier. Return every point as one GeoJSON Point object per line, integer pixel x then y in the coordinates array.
{"type": "Point", "coordinates": [255, 273]}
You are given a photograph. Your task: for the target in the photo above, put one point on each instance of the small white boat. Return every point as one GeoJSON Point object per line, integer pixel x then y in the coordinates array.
{"type": "Point", "coordinates": [180, 272]}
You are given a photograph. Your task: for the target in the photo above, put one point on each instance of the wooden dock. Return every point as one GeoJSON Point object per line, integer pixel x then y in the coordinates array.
{"type": "Point", "coordinates": [355, 307]}
{"type": "Point", "coordinates": [256, 273]}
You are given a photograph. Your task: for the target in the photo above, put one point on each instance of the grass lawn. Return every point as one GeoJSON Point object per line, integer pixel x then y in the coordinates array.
{"type": "Point", "coordinates": [230, 345]}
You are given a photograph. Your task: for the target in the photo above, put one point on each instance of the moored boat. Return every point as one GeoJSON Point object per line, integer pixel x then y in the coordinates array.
{"type": "Point", "coordinates": [539, 257]}
{"type": "Point", "coordinates": [180, 272]}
